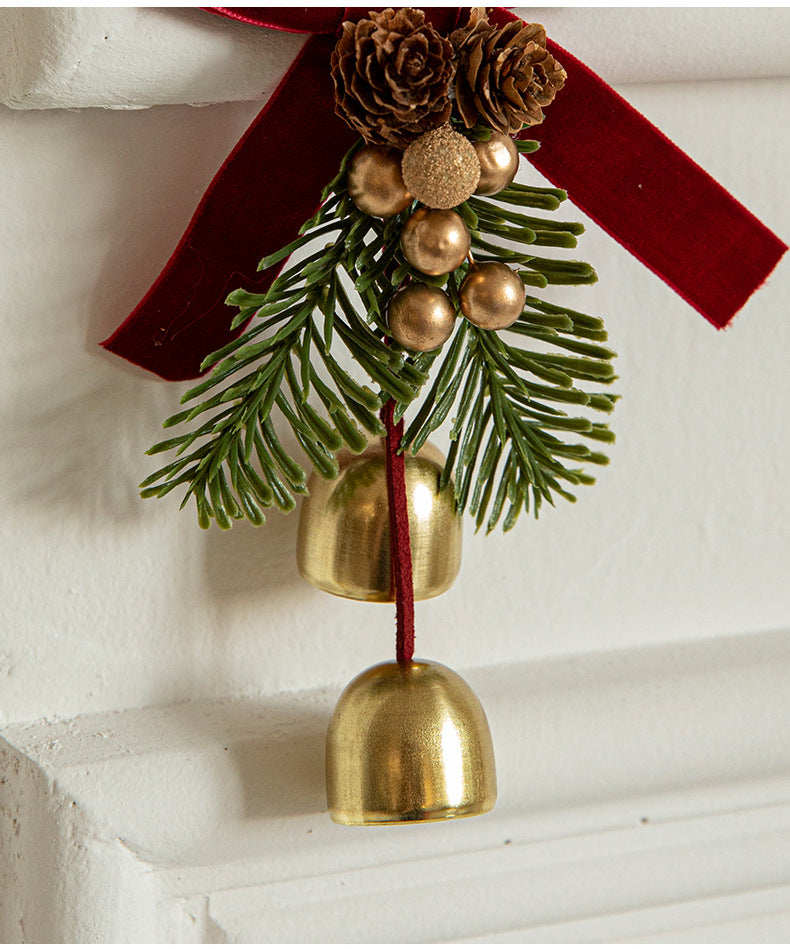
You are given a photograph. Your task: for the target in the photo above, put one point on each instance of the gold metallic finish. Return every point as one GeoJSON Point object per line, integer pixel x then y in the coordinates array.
{"type": "Point", "coordinates": [408, 743]}
{"type": "Point", "coordinates": [498, 159]}
{"type": "Point", "coordinates": [420, 317]}
{"type": "Point", "coordinates": [343, 543]}
{"type": "Point", "coordinates": [441, 168]}
{"type": "Point", "coordinates": [435, 242]}
{"type": "Point", "coordinates": [375, 182]}
{"type": "Point", "coordinates": [492, 296]}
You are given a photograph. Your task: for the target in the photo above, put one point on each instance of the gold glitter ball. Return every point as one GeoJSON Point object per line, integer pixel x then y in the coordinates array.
{"type": "Point", "coordinates": [441, 168]}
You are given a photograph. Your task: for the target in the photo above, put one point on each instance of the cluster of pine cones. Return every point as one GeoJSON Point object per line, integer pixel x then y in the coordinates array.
{"type": "Point", "coordinates": [396, 77]}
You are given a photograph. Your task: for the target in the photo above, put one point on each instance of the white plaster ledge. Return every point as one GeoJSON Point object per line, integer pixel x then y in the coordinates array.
{"type": "Point", "coordinates": [131, 58]}
{"type": "Point", "coordinates": [642, 794]}
{"type": "Point", "coordinates": [135, 57]}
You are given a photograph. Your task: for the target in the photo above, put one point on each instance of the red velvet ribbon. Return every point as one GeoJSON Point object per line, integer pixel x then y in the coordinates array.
{"type": "Point", "coordinates": [617, 167]}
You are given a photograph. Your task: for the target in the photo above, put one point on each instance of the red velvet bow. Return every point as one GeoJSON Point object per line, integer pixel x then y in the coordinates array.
{"type": "Point", "coordinates": [617, 167]}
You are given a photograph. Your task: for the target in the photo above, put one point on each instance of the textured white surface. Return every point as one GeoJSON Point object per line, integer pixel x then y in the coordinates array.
{"type": "Point", "coordinates": [641, 794]}
{"type": "Point", "coordinates": [109, 601]}
{"type": "Point", "coordinates": [132, 58]}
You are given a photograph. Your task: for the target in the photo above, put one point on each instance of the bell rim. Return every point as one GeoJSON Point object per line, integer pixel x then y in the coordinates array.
{"type": "Point", "coordinates": [378, 819]}
{"type": "Point", "coordinates": [372, 596]}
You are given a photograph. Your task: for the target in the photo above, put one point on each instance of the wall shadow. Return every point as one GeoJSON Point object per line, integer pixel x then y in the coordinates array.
{"type": "Point", "coordinates": [276, 746]}
{"type": "Point", "coordinates": [282, 775]}
{"type": "Point", "coordinates": [72, 440]}
{"type": "Point", "coordinates": [252, 561]}
{"type": "Point", "coordinates": [119, 193]}
{"type": "Point", "coordinates": [155, 192]}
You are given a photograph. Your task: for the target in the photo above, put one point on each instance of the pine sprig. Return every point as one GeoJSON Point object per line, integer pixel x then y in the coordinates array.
{"type": "Point", "coordinates": [503, 450]}
{"type": "Point", "coordinates": [513, 397]}
{"type": "Point", "coordinates": [289, 353]}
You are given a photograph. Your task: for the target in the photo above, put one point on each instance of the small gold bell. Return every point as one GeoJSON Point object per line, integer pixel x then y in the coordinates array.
{"type": "Point", "coordinates": [343, 543]}
{"type": "Point", "coordinates": [408, 743]}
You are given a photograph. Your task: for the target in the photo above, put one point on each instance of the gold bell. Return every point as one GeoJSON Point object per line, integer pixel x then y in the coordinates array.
{"type": "Point", "coordinates": [343, 544]}
{"type": "Point", "coordinates": [408, 743]}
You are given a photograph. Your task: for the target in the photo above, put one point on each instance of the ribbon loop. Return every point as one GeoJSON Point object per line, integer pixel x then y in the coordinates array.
{"type": "Point", "coordinates": [616, 166]}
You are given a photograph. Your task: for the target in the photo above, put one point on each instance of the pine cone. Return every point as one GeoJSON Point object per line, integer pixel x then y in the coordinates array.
{"type": "Point", "coordinates": [503, 77]}
{"type": "Point", "coordinates": [392, 77]}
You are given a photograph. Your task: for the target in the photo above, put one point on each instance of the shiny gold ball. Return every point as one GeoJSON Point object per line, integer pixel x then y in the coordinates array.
{"type": "Point", "coordinates": [492, 296]}
{"type": "Point", "coordinates": [420, 317]}
{"type": "Point", "coordinates": [498, 159]}
{"type": "Point", "coordinates": [441, 168]}
{"type": "Point", "coordinates": [375, 183]}
{"type": "Point", "coordinates": [435, 241]}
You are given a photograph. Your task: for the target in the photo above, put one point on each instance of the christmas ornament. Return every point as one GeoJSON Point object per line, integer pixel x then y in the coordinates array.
{"type": "Point", "coordinates": [435, 241]}
{"type": "Point", "coordinates": [524, 406]}
{"type": "Point", "coordinates": [492, 296]}
{"type": "Point", "coordinates": [375, 182]}
{"type": "Point", "coordinates": [441, 168]}
{"type": "Point", "coordinates": [408, 742]}
{"type": "Point", "coordinates": [498, 158]}
{"type": "Point", "coordinates": [343, 543]}
{"type": "Point", "coordinates": [421, 318]}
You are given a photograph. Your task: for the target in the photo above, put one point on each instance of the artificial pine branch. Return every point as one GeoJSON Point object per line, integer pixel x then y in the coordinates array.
{"type": "Point", "coordinates": [501, 396]}
{"type": "Point", "coordinates": [281, 354]}
{"type": "Point", "coordinates": [503, 451]}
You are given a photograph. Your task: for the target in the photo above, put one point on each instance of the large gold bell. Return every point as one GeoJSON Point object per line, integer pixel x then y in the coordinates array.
{"type": "Point", "coordinates": [343, 545]}
{"type": "Point", "coordinates": [408, 743]}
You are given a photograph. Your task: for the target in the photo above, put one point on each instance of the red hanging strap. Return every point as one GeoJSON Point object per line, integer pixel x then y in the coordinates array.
{"type": "Point", "coordinates": [400, 544]}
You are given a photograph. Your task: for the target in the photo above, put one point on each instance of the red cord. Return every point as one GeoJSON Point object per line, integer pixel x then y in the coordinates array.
{"type": "Point", "coordinates": [400, 546]}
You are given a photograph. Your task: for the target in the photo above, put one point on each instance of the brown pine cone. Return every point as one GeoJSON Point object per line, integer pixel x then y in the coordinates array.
{"type": "Point", "coordinates": [392, 77]}
{"type": "Point", "coordinates": [503, 76]}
